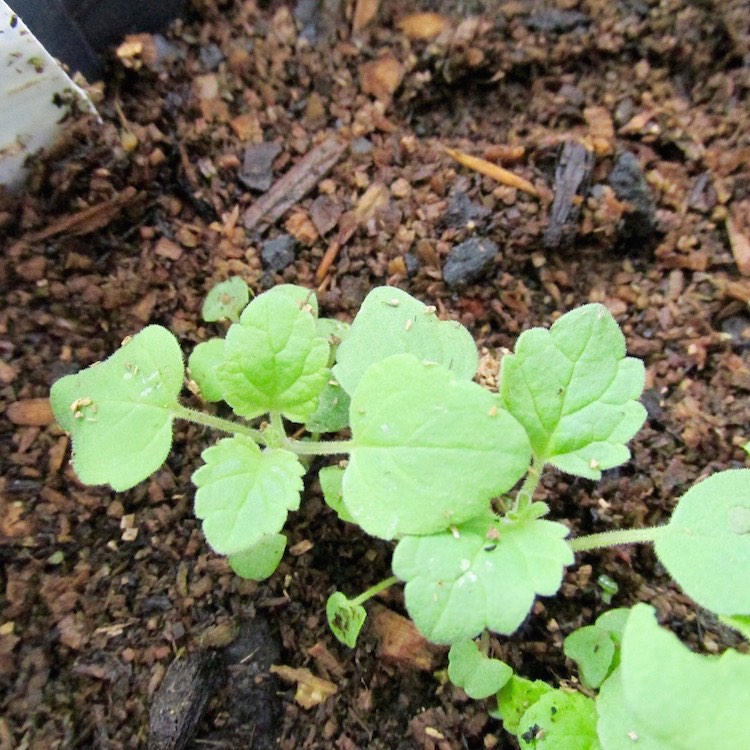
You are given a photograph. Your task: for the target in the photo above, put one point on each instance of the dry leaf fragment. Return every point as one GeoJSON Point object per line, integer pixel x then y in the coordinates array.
{"type": "Point", "coordinates": [740, 245]}
{"type": "Point", "coordinates": [311, 690]}
{"type": "Point", "coordinates": [382, 77]}
{"type": "Point", "coordinates": [423, 25]}
{"type": "Point", "coordinates": [399, 640]}
{"type": "Point", "coordinates": [503, 176]}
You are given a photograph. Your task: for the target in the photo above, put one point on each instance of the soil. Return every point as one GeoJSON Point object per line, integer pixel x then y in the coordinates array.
{"type": "Point", "coordinates": [117, 620]}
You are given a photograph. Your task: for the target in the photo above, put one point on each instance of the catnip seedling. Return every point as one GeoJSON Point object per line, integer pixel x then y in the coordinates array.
{"type": "Point", "coordinates": [446, 468]}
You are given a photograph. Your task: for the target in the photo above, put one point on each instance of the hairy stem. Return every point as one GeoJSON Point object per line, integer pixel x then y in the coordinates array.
{"type": "Point", "coordinates": [218, 423]}
{"type": "Point", "coordinates": [528, 488]}
{"type": "Point", "coordinates": [374, 590]}
{"type": "Point", "coordinates": [614, 538]}
{"type": "Point", "coordinates": [309, 448]}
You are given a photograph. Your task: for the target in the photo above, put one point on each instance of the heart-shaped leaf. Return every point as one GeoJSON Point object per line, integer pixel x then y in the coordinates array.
{"type": "Point", "coordinates": [226, 300]}
{"type": "Point", "coordinates": [261, 560]}
{"type": "Point", "coordinates": [475, 672]}
{"type": "Point", "coordinates": [202, 364]}
{"type": "Point", "coordinates": [119, 412]}
{"type": "Point", "coordinates": [391, 321]}
{"type": "Point", "coordinates": [429, 449]}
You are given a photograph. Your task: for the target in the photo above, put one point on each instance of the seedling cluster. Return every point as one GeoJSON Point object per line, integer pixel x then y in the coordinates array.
{"type": "Point", "coordinates": [432, 462]}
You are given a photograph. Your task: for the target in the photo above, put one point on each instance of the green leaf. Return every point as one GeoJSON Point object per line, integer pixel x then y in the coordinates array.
{"type": "Point", "coordinates": [226, 300]}
{"type": "Point", "coordinates": [483, 574]}
{"type": "Point", "coordinates": [429, 449]}
{"type": "Point", "coordinates": [741, 623]}
{"type": "Point", "coordinates": [345, 618]}
{"type": "Point", "coordinates": [331, 479]}
{"type": "Point", "coordinates": [574, 390]}
{"type": "Point", "coordinates": [261, 560]}
{"type": "Point", "coordinates": [706, 546]}
{"type": "Point", "coordinates": [274, 360]}
{"type": "Point", "coordinates": [476, 673]}
{"type": "Point", "coordinates": [332, 413]}
{"type": "Point", "coordinates": [245, 493]}
{"type": "Point", "coordinates": [559, 720]}
{"type": "Point", "coordinates": [613, 621]}
{"type": "Point", "coordinates": [334, 331]}
{"type": "Point", "coordinates": [593, 650]}
{"type": "Point", "coordinates": [202, 365]}
{"type": "Point", "coordinates": [119, 412]}
{"type": "Point", "coordinates": [670, 698]}
{"type": "Point", "coordinates": [515, 698]}
{"type": "Point", "coordinates": [391, 321]}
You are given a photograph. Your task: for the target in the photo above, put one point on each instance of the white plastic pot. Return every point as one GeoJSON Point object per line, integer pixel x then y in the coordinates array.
{"type": "Point", "coordinates": [36, 95]}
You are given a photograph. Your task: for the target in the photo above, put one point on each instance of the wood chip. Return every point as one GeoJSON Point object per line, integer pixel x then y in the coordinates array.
{"type": "Point", "coordinates": [89, 219]}
{"type": "Point", "coordinates": [400, 642]}
{"type": "Point", "coordinates": [503, 176]}
{"type": "Point", "coordinates": [311, 690]}
{"type": "Point", "coordinates": [165, 248]}
{"type": "Point", "coordinates": [423, 25]}
{"type": "Point", "coordinates": [33, 412]}
{"type": "Point", "coordinates": [364, 12]}
{"type": "Point", "coordinates": [295, 184]}
{"type": "Point", "coordinates": [740, 245]}
{"type": "Point", "coordinates": [381, 77]}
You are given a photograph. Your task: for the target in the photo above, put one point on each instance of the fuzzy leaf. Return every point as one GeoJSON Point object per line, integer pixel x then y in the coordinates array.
{"type": "Point", "coordinates": [430, 449]}
{"type": "Point", "coordinates": [119, 412]}
{"type": "Point", "coordinates": [706, 546]}
{"type": "Point", "coordinates": [331, 478]}
{"type": "Point", "coordinates": [593, 650]}
{"type": "Point", "coordinates": [332, 413]}
{"type": "Point", "coordinates": [485, 574]}
{"type": "Point", "coordinates": [202, 364]}
{"type": "Point", "coordinates": [345, 618]}
{"type": "Point", "coordinates": [575, 391]}
{"type": "Point", "coordinates": [476, 673]}
{"type": "Point", "coordinates": [559, 720]}
{"type": "Point", "coordinates": [274, 360]}
{"type": "Point", "coordinates": [670, 698]}
{"type": "Point", "coordinates": [245, 493]}
{"type": "Point", "coordinates": [261, 560]}
{"type": "Point", "coordinates": [226, 300]}
{"type": "Point", "coordinates": [515, 698]}
{"type": "Point", "coordinates": [391, 321]}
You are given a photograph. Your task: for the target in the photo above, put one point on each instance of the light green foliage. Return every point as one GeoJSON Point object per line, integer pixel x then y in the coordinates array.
{"type": "Point", "coordinates": [331, 478]}
{"type": "Point", "coordinates": [274, 359]}
{"type": "Point", "coordinates": [574, 390]}
{"type": "Point", "coordinates": [392, 322]}
{"type": "Point", "coordinates": [261, 560]}
{"type": "Point", "coordinates": [245, 493]}
{"type": "Point", "coordinates": [593, 649]}
{"type": "Point", "coordinates": [559, 720]}
{"type": "Point", "coordinates": [483, 574]}
{"type": "Point", "coordinates": [515, 698]}
{"type": "Point", "coordinates": [202, 365]}
{"type": "Point", "coordinates": [706, 544]}
{"type": "Point", "coordinates": [119, 412]}
{"type": "Point", "coordinates": [665, 697]}
{"type": "Point", "coordinates": [345, 618]}
{"type": "Point", "coordinates": [332, 413]}
{"type": "Point", "coordinates": [334, 331]}
{"type": "Point", "coordinates": [429, 449]}
{"type": "Point", "coordinates": [226, 300]}
{"type": "Point", "coordinates": [475, 672]}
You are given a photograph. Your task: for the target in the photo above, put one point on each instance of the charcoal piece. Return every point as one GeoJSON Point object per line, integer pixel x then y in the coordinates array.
{"type": "Point", "coordinates": [553, 20]}
{"type": "Point", "coordinates": [257, 166]}
{"type": "Point", "coordinates": [572, 177]}
{"type": "Point", "coordinates": [461, 210]}
{"type": "Point", "coordinates": [630, 186]}
{"type": "Point", "coordinates": [468, 261]}
{"type": "Point", "coordinates": [278, 253]}
{"type": "Point", "coordinates": [182, 697]}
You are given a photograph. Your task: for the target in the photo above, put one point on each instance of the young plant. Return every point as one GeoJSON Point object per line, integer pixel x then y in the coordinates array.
{"type": "Point", "coordinates": [431, 459]}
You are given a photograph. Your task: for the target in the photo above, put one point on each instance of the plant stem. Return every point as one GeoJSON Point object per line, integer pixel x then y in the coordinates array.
{"type": "Point", "coordinates": [329, 448]}
{"type": "Point", "coordinates": [613, 538]}
{"type": "Point", "coordinates": [218, 423]}
{"type": "Point", "coordinates": [277, 424]}
{"type": "Point", "coordinates": [528, 488]}
{"type": "Point", "coordinates": [374, 590]}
